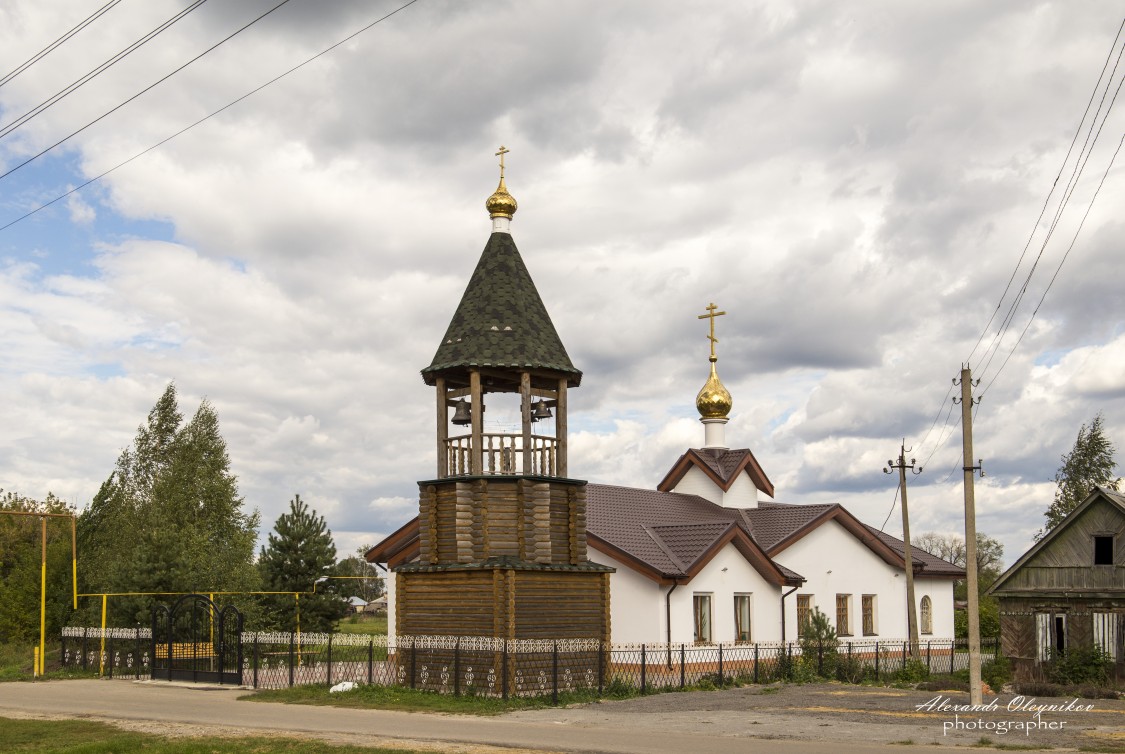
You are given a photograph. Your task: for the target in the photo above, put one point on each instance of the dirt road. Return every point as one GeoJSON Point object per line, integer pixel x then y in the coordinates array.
{"type": "Point", "coordinates": [786, 719]}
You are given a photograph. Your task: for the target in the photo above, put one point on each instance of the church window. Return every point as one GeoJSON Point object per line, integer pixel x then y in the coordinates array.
{"type": "Point", "coordinates": [742, 617]}
{"type": "Point", "coordinates": [1103, 550]}
{"type": "Point", "coordinates": [927, 611]}
{"type": "Point", "coordinates": [1107, 633]}
{"type": "Point", "coordinates": [870, 625]}
{"type": "Point", "coordinates": [804, 611]}
{"type": "Point", "coordinates": [702, 604]}
{"type": "Point", "coordinates": [843, 619]}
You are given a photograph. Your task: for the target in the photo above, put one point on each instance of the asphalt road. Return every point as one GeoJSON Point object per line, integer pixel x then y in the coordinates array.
{"type": "Point", "coordinates": [159, 707]}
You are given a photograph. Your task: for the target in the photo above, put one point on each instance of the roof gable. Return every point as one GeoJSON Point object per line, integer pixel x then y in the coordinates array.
{"type": "Point", "coordinates": [1098, 496]}
{"type": "Point", "coordinates": [501, 321]}
{"type": "Point", "coordinates": [721, 466]}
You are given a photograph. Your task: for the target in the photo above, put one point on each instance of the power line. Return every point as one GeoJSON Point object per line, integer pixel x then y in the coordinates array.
{"type": "Point", "coordinates": [147, 88]}
{"type": "Point", "coordinates": [205, 118]}
{"type": "Point", "coordinates": [51, 47]}
{"type": "Point", "coordinates": [91, 75]}
{"type": "Point", "coordinates": [1066, 158]}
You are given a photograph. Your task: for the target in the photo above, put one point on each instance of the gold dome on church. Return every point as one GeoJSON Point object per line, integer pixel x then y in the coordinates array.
{"type": "Point", "coordinates": [713, 401]}
{"type": "Point", "coordinates": [501, 203]}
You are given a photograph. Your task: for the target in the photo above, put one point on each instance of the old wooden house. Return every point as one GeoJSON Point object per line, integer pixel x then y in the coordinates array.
{"type": "Point", "coordinates": [1068, 591]}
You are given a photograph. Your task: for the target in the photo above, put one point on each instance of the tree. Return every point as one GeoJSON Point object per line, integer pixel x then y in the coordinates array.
{"type": "Point", "coordinates": [951, 548]}
{"type": "Point", "coordinates": [169, 518]}
{"type": "Point", "coordinates": [300, 552]}
{"type": "Point", "coordinates": [1090, 463]}
{"type": "Point", "coordinates": [21, 558]}
{"type": "Point", "coordinates": [362, 579]}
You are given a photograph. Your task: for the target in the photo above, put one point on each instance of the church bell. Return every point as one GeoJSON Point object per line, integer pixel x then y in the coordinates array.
{"type": "Point", "coordinates": [540, 411]}
{"type": "Point", "coordinates": [463, 414]}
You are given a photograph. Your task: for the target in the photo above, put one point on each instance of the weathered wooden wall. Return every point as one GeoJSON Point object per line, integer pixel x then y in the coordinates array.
{"type": "Point", "coordinates": [1067, 561]}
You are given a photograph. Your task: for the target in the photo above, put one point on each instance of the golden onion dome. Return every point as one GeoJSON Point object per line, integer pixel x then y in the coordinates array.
{"type": "Point", "coordinates": [501, 203]}
{"type": "Point", "coordinates": [713, 401]}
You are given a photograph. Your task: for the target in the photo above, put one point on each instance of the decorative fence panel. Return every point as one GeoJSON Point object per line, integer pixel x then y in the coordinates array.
{"type": "Point", "coordinates": [485, 666]}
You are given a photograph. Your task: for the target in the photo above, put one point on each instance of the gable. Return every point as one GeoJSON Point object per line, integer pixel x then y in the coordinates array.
{"type": "Point", "coordinates": [722, 467]}
{"type": "Point", "coordinates": [1068, 550]}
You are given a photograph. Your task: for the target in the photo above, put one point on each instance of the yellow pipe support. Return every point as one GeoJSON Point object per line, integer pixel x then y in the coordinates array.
{"type": "Point", "coordinates": [297, 601]}
{"type": "Point", "coordinates": [43, 603]}
{"type": "Point", "coordinates": [101, 652]}
{"type": "Point", "coordinates": [74, 558]}
{"type": "Point", "coordinates": [35, 661]}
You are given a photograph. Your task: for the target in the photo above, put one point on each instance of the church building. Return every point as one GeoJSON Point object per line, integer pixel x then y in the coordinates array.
{"type": "Point", "coordinates": [707, 556]}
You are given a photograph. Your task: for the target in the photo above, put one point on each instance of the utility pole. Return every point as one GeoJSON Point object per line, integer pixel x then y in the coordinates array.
{"type": "Point", "coordinates": [966, 401]}
{"type": "Point", "coordinates": [911, 606]}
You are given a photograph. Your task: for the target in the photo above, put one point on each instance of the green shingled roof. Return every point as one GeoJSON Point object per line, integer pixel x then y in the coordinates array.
{"type": "Point", "coordinates": [501, 321]}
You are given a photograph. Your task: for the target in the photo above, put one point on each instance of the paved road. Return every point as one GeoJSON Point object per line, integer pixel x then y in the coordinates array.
{"type": "Point", "coordinates": [153, 706]}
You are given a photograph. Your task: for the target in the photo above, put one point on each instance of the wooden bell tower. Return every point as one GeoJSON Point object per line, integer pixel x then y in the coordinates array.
{"type": "Point", "coordinates": [502, 528]}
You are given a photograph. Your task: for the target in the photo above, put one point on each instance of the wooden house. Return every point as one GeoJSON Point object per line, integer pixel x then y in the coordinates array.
{"type": "Point", "coordinates": [1068, 591]}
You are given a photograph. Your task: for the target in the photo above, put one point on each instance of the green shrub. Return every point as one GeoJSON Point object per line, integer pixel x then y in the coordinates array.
{"type": "Point", "coordinates": [819, 646]}
{"type": "Point", "coordinates": [912, 671]}
{"type": "Point", "coordinates": [850, 669]}
{"type": "Point", "coordinates": [997, 672]}
{"type": "Point", "coordinates": [1089, 665]}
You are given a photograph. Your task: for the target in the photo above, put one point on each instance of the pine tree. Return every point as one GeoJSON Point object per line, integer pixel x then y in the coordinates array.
{"type": "Point", "coordinates": [300, 552]}
{"type": "Point", "coordinates": [169, 518]}
{"type": "Point", "coordinates": [1090, 463]}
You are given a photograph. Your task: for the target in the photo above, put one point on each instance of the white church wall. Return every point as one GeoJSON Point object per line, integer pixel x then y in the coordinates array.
{"type": "Point", "coordinates": [726, 575]}
{"type": "Point", "coordinates": [742, 494]}
{"type": "Point", "coordinates": [390, 595]}
{"type": "Point", "coordinates": [636, 603]}
{"type": "Point", "coordinates": [834, 562]}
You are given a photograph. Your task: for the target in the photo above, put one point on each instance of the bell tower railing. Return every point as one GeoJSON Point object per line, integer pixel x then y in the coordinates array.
{"type": "Point", "coordinates": [502, 454]}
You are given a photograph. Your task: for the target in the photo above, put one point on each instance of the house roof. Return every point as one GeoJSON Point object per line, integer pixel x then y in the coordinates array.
{"type": "Point", "coordinates": [501, 322]}
{"type": "Point", "coordinates": [721, 465]}
{"type": "Point", "coordinates": [1099, 493]}
{"type": "Point", "coordinates": [669, 536]}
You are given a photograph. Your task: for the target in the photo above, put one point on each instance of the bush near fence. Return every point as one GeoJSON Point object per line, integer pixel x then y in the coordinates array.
{"type": "Point", "coordinates": [484, 666]}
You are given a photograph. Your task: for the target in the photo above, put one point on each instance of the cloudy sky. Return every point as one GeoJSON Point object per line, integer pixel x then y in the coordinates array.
{"type": "Point", "coordinates": [855, 184]}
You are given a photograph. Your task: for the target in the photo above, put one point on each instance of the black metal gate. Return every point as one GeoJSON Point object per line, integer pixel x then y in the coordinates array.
{"type": "Point", "coordinates": [196, 641]}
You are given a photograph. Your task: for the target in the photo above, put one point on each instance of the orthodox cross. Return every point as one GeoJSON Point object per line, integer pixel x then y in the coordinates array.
{"type": "Point", "coordinates": [503, 151]}
{"type": "Point", "coordinates": [711, 314]}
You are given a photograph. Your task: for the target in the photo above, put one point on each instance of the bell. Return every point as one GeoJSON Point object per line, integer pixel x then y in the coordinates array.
{"type": "Point", "coordinates": [463, 414]}
{"type": "Point", "coordinates": [540, 411]}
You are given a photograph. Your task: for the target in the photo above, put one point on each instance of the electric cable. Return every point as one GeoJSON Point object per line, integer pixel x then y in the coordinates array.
{"type": "Point", "coordinates": [54, 45]}
{"type": "Point", "coordinates": [78, 83]}
{"type": "Point", "coordinates": [138, 94]}
{"type": "Point", "coordinates": [185, 129]}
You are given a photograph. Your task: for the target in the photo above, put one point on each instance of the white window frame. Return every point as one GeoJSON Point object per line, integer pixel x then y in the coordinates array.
{"type": "Point", "coordinates": [1046, 634]}
{"type": "Point", "coordinates": [808, 611]}
{"type": "Point", "coordinates": [926, 614]}
{"type": "Point", "coordinates": [846, 628]}
{"type": "Point", "coordinates": [874, 615]}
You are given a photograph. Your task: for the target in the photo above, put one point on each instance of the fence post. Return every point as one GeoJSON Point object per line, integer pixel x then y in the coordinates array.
{"type": "Point", "coordinates": [256, 660]}
{"type": "Point", "coordinates": [644, 669]}
{"type": "Point", "coordinates": [292, 639]}
{"type": "Point", "coordinates": [330, 660]}
{"type": "Point", "coordinates": [876, 661]}
{"type": "Point", "coordinates": [504, 673]}
{"type": "Point", "coordinates": [755, 662]}
{"type": "Point", "coordinates": [820, 658]}
{"type": "Point", "coordinates": [85, 631]}
{"type": "Point", "coordinates": [929, 668]}
{"type": "Point", "coordinates": [457, 667]}
{"type": "Point", "coordinates": [788, 661]}
{"type": "Point", "coordinates": [370, 660]}
{"type": "Point", "coordinates": [413, 662]}
{"type": "Point", "coordinates": [601, 666]}
{"type": "Point", "coordinates": [904, 655]}
{"type": "Point", "coordinates": [952, 652]}
{"type": "Point", "coordinates": [110, 653]}
{"type": "Point", "coordinates": [555, 673]}
{"type": "Point", "coordinates": [62, 651]}
{"type": "Point", "coordinates": [137, 653]}
{"type": "Point", "coordinates": [682, 665]}
{"type": "Point", "coordinates": [720, 666]}
{"type": "Point", "coordinates": [851, 668]}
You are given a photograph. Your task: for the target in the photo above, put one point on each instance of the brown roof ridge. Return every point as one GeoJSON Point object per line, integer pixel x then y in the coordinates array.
{"type": "Point", "coordinates": [665, 549]}
{"type": "Point", "coordinates": [707, 460]}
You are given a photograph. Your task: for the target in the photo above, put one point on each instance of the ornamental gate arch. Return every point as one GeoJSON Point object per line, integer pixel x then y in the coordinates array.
{"type": "Point", "coordinates": [193, 640]}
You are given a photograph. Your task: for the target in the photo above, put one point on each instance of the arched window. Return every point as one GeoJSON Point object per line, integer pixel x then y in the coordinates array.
{"type": "Point", "coordinates": [927, 615]}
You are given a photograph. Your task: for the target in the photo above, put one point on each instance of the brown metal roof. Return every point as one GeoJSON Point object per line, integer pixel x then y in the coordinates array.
{"type": "Point", "coordinates": [931, 565]}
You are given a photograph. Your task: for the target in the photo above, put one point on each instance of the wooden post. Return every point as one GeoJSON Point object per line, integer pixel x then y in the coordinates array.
{"type": "Point", "coordinates": [442, 429]}
{"type": "Point", "coordinates": [525, 419]}
{"type": "Point", "coordinates": [476, 458]}
{"type": "Point", "coordinates": [560, 430]}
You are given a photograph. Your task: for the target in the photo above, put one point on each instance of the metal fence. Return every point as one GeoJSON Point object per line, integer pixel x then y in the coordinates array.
{"type": "Point", "coordinates": [485, 666]}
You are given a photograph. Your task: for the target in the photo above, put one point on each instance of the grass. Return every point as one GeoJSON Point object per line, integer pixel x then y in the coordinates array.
{"type": "Point", "coordinates": [363, 624]}
{"type": "Point", "coordinates": [413, 700]}
{"type": "Point", "coordinates": [99, 738]}
{"type": "Point", "coordinates": [16, 661]}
